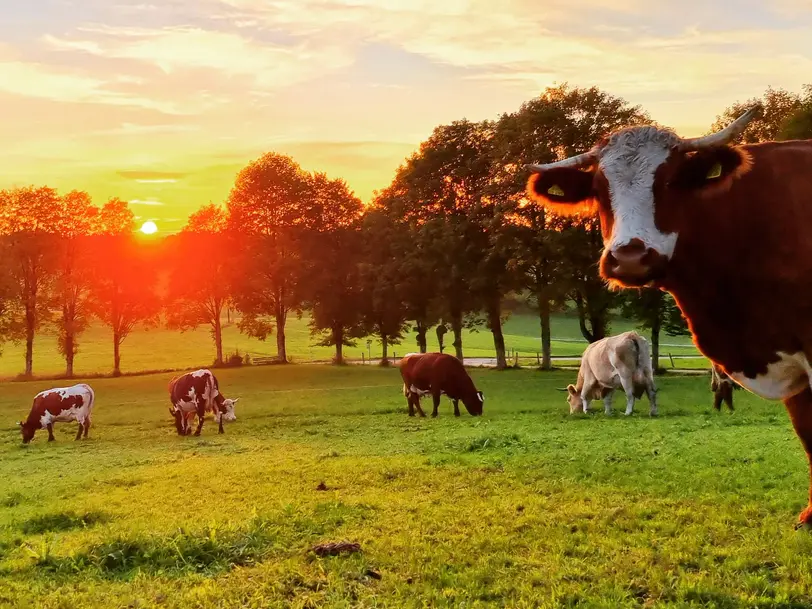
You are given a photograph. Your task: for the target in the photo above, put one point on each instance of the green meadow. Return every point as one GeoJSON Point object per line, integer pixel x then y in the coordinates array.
{"type": "Point", "coordinates": [161, 349]}
{"type": "Point", "coordinates": [525, 506]}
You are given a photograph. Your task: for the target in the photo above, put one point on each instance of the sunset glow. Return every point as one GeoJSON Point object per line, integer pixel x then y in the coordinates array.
{"type": "Point", "coordinates": [162, 104]}
{"type": "Point", "coordinates": [149, 228]}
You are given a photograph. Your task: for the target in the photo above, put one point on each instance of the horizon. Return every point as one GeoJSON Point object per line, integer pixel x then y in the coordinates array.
{"type": "Point", "coordinates": [163, 106]}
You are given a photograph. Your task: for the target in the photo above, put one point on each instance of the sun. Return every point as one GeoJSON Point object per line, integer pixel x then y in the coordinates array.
{"type": "Point", "coordinates": [149, 227]}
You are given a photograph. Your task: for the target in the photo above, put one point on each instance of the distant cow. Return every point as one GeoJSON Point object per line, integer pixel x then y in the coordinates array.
{"type": "Point", "coordinates": [614, 362]}
{"type": "Point", "coordinates": [195, 393]}
{"type": "Point", "coordinates": [61, 404]}
{"type": "Point", "coordinates": [437, 374]}
{"type": "Point", "coordinates": [722, 387]}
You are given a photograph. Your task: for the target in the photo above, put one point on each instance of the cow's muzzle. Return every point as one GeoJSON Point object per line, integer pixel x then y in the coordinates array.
{"type": "Point", "coordinates": [633, 264]}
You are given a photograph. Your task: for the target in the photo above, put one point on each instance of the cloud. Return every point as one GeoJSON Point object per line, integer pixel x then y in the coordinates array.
{"type": "Point", "coordinates": [174, 49]}
{"type": "Point", "coordinates": [148, 202]}
{"type": "Point", "coordinates": [152, 176]}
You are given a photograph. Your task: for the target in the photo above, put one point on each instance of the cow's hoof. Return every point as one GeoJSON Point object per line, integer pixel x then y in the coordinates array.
{"type": "Point", "coordinates": [433, 415]}
{"type": "Point", "coordinates": [197, 433]}
{"type": "Point", "coordinates": [221, 431]}
{"type": "Point", "coordinates": [52, 439]}
{"type": "Point", "coordinates": [805, 519]}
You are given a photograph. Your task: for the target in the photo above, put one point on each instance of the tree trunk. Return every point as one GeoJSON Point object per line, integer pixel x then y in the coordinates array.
{"type": "Point", "coordinates": [116, 354]}
{"type": "Point", "coordinates": [422, 344]}
{"type": "Point", "coordinates": [579, 304]}
{"type": "Point", "coordinates": [218, 341]}
{"type": "Point", "coordinates": [338, 337]}
{"type": "Point", "coordinates": [30, 326]}
{"type": "Point", "coordinates": [281, 347]}
{"type": "Point", "coordinates": [456, 327]}
{"type": "Point", "coordinates": [655, 341]}
{"type": "Point", "coordinates": [70, 352]}
{"type": "Point", "coordinates": [495, 325]}
{"type": "Point", "coordinates": [544, 320]}
{"type": "Point", "coordinates": [384, 349]}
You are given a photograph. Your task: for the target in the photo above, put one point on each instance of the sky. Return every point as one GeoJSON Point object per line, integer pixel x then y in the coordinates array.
{"type": "Point", "coordinates": [161, 102]}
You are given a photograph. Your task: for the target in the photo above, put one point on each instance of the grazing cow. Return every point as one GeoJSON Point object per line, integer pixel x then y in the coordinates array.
{"type": "Point", "coordinates": [725, 229]}
{"type": "Point", "coordinates": [621, 361]}
{"type": "Point", "coordinates": [61, 404]}
{"type": "Point", "coordinates": [437, 374]}
{"type": "Point", "coordinates": [722, 387]}
{"type": "Point", "coordinates": [195, 393]}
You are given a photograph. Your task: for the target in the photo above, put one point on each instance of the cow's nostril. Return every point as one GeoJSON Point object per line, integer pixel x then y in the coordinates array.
{"type": "Point", "coordinates": [632, 248]}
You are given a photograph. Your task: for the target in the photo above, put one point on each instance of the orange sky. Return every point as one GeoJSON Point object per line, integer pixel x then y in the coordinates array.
{"type": "Point", "coordinates": [161, 103]}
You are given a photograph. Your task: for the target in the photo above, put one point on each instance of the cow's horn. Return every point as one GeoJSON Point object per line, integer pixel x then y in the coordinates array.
{"type": "Point", "coordinates": [723, 136]}
{"type": "Point", "coordinates": [561, 389]}
{"type": "Point", "coordinates": [579, 160]}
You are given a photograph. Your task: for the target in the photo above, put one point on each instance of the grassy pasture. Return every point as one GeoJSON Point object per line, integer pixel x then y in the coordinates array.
{"type": "Point", "coordinates": [162, 349]}
{"type": "Point", "coordinates": [523, 507]}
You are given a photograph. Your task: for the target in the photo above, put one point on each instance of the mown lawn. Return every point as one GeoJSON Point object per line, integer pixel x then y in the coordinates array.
{"type": "Point", "coordinates": [162, 349]}
{"type": "Point", "coordinates": [523, 507]}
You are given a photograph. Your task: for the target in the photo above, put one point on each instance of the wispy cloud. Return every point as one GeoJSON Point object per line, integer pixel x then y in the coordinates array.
{"type": "Point", "coordinates": [148, 202]}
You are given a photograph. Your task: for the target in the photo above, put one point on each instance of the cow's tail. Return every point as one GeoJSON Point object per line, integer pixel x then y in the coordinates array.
{"type": "Point", "coordinates": [644, 371]}
{"type": "Point", "coordinates": [91, 401]}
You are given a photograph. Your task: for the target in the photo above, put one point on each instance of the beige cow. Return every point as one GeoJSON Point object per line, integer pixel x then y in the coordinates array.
{"type": "Point", "coordinates": [621, 361]}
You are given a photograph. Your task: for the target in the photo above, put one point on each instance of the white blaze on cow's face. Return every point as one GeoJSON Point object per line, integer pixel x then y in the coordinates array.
{"type": "Point", "coordinates": [629, 162]}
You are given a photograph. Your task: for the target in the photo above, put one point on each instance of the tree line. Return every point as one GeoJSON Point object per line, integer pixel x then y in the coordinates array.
{"type": "Point", "coordinates": [442, 247]}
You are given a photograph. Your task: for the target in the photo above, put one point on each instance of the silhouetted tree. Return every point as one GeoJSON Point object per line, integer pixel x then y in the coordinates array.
{"type": "Point", "coordinates": [202, 259]}
{"type": "Point", "coordinates": [78, 223]}
{"type": "Point", "coordinates": [124, 287]}
{"type": "Point", "coordinates": [269, 206]}
{"type": "Point", "coordinates": [798, 124]}
{"type": "Point", "coordinates": [28, 218]}
{"type": "Point", "coordinates": [777, 105]}
{"type": "Point", "coordinates": [333, 281]}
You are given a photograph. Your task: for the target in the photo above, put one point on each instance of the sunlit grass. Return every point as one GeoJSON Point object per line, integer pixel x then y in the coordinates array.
{"type": "Point", "coordinates": [524, 507]}
{"type": "Point", "coordinates": [162, 349]}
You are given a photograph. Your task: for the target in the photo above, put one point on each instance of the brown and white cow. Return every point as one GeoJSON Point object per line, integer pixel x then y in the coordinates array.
{"type": "Point", "coordinates": [725, 229]}
{"type": "Point", "coordinates": [615, 362]}
{"type": "Point", "coordinates": [722, 387]}
{"type": "Point", "coordinates": [61, 404]}
{"type": "Point", "coordinates": [437, 374]}
{"type": "Point", "coordinates": [196, 393]}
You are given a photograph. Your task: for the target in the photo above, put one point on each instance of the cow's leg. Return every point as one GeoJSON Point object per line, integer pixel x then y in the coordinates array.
{"type": "Point", "coordinates": [717, 399]}
{"type": "Point", "coordinates": [456, 407]}
{"type": "Point", "coordinates": [201, 415]}
{"type": "Point", "coordinates": [417, 405]}
{"type": "Point", "coordinates": [410, 405]}
{"type": "Point", "coordinates": [800, 412]}
{"type": "Point", "coordinates": [79, 431]}
{"type": "Point", "coordinates": [51, 432]}
{"type": "Point", "coordinates": [87, 426]}
{"type": "Point", "coordinates": [220, 429]}
{"type": "Point", "coordinates": [607, 402]}
{"type": "Point", "coordinates": [627, 382]}
{"type": "Point", "coordinates": [435, 398]}
{"type": "Point", "coordinates": [729, 396]}
{"type": "Point", "coordinates": [652, 398]}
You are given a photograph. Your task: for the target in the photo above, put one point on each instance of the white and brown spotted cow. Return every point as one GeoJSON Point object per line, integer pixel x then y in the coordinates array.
{"type": "Point", "coordinates": [60, 404]}
{"type": "Point", "coordinates": [196, 393]}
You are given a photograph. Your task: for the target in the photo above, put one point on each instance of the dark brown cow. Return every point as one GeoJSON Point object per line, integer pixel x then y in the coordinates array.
{"type": "Point", "coordinates": [437, 374]}
{"type": "Point", "coordinates": [722, 387]}
{"type": "Point", "coordinates": [195, 393]}
{"type": "Point", "coordinates": [725, 229]}
{"type": "Point", "coordinates": [59, 405]}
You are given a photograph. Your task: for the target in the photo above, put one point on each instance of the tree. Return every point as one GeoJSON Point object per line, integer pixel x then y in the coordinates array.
{"type": "Point", "coordinates": [332, 276]}
{"type": "Point", "coordinates": [78, 222]}
{"type": "Point", "coordinates": [798, 125]}
{"type": "Point", "coordinates": [201, 262]}
{"type": "Point", "coordinates": [125, 279]}
{"type": "Point", "coordinates": [655, 310]}
{"type": "Point", "coordinates": [777, 105]}
{"type": "Point", "coordinates": [268, 208]}
{"type": "Point", "coordinates": [561, 122]}
{"type": "Point", "coordinates": [380, 276]}
{"type": "Point", "coordinates": [28, 217]}
{"type": "Point", "coordinates": [437, 192]}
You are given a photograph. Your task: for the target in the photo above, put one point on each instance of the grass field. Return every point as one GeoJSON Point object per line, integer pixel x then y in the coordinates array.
{"type": "Point", "coordinates": [523, 507]}
{"type": "Point", "coordinates": [162, 349]}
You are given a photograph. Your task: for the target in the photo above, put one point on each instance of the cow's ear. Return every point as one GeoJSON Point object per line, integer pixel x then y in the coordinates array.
{"type": "Point", "coordinates": [566, 191]}
{"type": "Point", "coordinates": [711, 170]}
{"type": "Point", "coordinates": [571, 390]}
